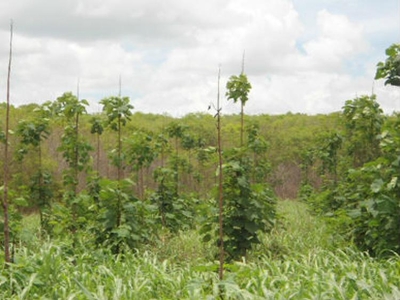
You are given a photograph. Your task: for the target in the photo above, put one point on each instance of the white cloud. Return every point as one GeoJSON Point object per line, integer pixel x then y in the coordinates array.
{"type": "Point", "coordinates": [339, 40]}
{"type": "Point", "coordinates": [167, 53]}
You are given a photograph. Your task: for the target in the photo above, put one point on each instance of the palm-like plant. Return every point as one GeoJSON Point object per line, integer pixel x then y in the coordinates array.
{"type": "Point", "coordinates": [118, 112]}
{"type": "Point", "coordinates": [238, 88]}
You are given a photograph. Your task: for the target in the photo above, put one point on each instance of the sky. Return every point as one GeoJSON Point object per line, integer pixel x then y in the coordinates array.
{"type": "Point", "coordinates": [300, 56]}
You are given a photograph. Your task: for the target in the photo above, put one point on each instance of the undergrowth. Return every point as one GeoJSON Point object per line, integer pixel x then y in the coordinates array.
{"type": "Point", "coordinates": [301, 259]}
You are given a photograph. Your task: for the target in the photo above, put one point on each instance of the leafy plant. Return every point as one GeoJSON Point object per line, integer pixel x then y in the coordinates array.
{"type": "Point", "coordinates": [363, 196]}
{"type": "Point", "coordinates": [94, 180]}
{"type": "Point", "coordinates": [176, 212]}
{"type": "Point", "coordinates": [97, 128]}
{"type": "Point", "coordinates": [390, 69]}
{"type": "Point", "coordinates": [238, 88]}
{"type": "Point", "coordinates": [249, 209]}
{"type": "Point", "coordinates": [128, 222]}
{"type": "Point", "coordinates": [328, 153]}
{"type": "Point", "coordinates": [41, 193]}
{"type": "Point", "coordinates": [32, 133]}
{"type": "Point", "coordinates": [76, 151]}
{"type": "Point", "coordinates": [314, 262]}
{"type": "Point", "coordinates": [373, 192]}
{"type": "Point", "coordinates": [363, 119]}
{"type": "Point", "coordinates": [176, 131]}
{"type": "Point", "coordinates": [140, 153]}
{"type": "Point", "coordinates": [118, 112]}
{"type": "Point", "coordinates": [257, 146]}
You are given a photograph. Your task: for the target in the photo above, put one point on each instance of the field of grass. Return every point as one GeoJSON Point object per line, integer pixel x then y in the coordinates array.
{"type": "Point", "coordinates": [301, 259]}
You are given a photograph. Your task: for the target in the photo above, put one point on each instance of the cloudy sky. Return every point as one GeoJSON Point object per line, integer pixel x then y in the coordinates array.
{"type": "Point", "coordinates": [306, 56]}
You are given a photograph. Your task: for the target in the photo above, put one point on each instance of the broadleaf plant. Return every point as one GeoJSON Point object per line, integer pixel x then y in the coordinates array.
{"type": "Point", "coordinates": [390, 69]}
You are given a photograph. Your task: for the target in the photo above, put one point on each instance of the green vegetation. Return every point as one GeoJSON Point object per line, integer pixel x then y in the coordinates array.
{"type": "Point", "coordinates": [300, 259]}
{"type": "Point", "coordinates": [238, 88]}
{"type": "Point", "coordinates": [390, 69]}
{"type": "Point", "coordinates": [145, 209]}
{"type": "Point", "coordinates": [360, 164]}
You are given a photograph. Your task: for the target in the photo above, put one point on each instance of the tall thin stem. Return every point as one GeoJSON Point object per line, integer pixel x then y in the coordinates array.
{"type": "Point", "coordinates": [98, 155]}
{"type": "Point", "coordinates": [77, 88]}
{"type": "Point", "coordinates": [220, 189]}
{"type": "Point", "coordinates": [241, 123]}
{"type": "Point", "coordinates": [76, 173]}
{"type": "Point", "coordinates": [119, 86]}
{"type": "Point", "coordinates": [40, 185]}
{"type": "Point", "coordinates": [244, 52]}
{"type": "Point", "coordinates": [119, 171]}
{"type": "Point", "coordinates": [119, 175]}
{"type": "Point", "coordinates": [7, 255]}
{"type": "Point", "coordinates": [242, 108]}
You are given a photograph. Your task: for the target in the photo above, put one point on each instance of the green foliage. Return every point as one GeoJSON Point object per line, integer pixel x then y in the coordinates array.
{"type": "Point", "coordinates": [17, 200]}
{"type": "Point", "coordinates": [122, 219]}
{"type": "Point", "coordinates": [238, 88]}
{"type": "Point", "coordinates": [363, 199]}
{"type": "Point", "coordinates": [76, 152]}
{"type": "Point", "coordinates": [189, 142]}
{"type": "Point", "coordinates": [363, 119]}
{"type": "Point", "coordinates": [326, 201]}
{"type": "Point", "coordinates": [94, 188]}
{"type": "Point", "coordinates": [175, 211]}
{"type": "Point", "coordinates": [206, 154]}
{"type": "Point", "coordinates": [176, 130]}
{"type": "Point", "coordinates": [390, 69]}
{"type": "Point", "coordinates": [118, 111]}
{"type": "Point", "coordinates": [68, 106]}
{"type": "Point", "coordinates": [308, 157]}
{"type": "Point", "coordinates": [32, 133]}
{"type": "Point", "coordinates": [310, 264]}
{"type": "Point", "coordinates": [72, 215]}
{"type": "Point", "coordinates": [162, 146]}
{"type": "Point", "coordinates": [305, 192]}
{"type": "Point", "coordinates": [121, 214]}
{"type": "Point", "coordinates": [376, 190]}
{"type": "Point", "coordinates": [328, 153]}
{"type": "Point", "coordinates": [41, 193]}
{"type": "Point", "coordinates": [140, 149]}
{"type": "Point", "coordinates": [358, 193]}
{"type": "Point", "coordinates": [249, 210]}
{"type": "Point", "coordinates": [97, 125]}
{"type": "Point", "coordinates": [257, 146]}
{"type": "Point", "coordinates": [286, 134]}
{"type": "Point", "coordinates": [97, 128]}
{"type": "Point", "coordinates": [256, 142]}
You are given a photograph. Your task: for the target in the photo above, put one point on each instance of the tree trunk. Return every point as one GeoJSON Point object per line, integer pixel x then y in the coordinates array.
{"type": "Point", "coordinates": [241, 124]}
{"type": "Point", "coordinates": [119, 176]}
{"type": "Point", "coordinates": [7, 255]}
{"type": "Point", "coordinates": [220, 191]}
{"type": "Point", "coordinates": [41, 196]}
{"type": "Point", "coordinates": [98, 155]}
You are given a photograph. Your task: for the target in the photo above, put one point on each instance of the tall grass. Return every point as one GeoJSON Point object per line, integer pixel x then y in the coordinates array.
{"type": "Point", "coordinates": [301, 259]}
{"type": "Point", "coordinates": [300, 233]}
